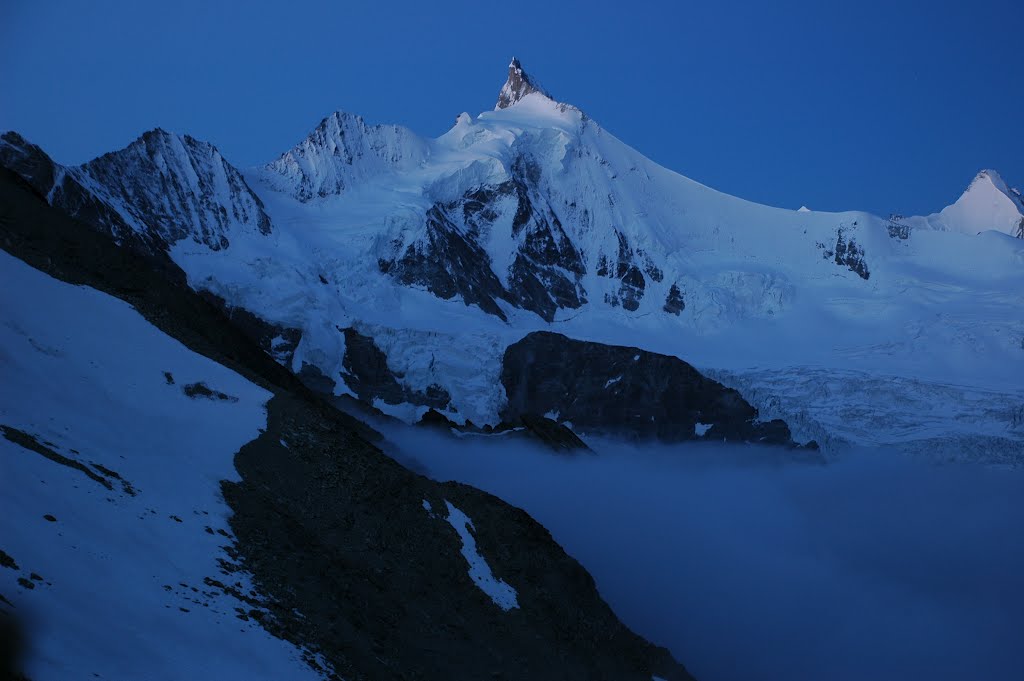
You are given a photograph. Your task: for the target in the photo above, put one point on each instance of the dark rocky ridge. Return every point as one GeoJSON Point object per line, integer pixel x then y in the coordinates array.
{"type": "Point", "coordinates": [346, 560]}
{"type": "Point", "coordinates": [277, 341]}
{"type": "Point", "coordinates": [63, 189]}
{"type": "Point", "coordinates": [623, 391]}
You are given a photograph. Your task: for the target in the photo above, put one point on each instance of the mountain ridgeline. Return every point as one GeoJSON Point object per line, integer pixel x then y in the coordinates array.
{"type": "Point", "coordinates": [530, 216]}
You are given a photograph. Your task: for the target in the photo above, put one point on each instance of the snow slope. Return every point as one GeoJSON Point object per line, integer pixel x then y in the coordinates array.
{"type": "Point", "coordinates": [130, 477]}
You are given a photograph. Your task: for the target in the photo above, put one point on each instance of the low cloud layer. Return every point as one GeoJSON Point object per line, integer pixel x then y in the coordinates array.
{"type": "Point", "coordinates": [750, 566]}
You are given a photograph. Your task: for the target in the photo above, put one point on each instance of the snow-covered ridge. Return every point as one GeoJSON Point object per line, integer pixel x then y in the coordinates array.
{"type": "Point", "coordinates": [987, 204]}
{"type": "Point", "coordinates": [341, 152]}
{"type": "Point", "coordinates": [178, 187]}
{"type": "Point", "coordinates": [161, 188]}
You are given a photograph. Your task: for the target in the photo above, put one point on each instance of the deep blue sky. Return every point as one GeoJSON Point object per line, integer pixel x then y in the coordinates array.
{"type": "Point", "coordinates": [876, 105]}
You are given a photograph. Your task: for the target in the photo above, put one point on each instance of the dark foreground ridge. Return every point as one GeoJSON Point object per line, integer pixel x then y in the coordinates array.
{"type": "Point", "coordinates": [352, 554]}
{"type": "Point", "coordinates": [624, 391]}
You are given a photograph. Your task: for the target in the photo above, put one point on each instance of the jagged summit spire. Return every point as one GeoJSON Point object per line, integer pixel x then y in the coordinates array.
{"type": "Point", "coordinates": [518, 85]}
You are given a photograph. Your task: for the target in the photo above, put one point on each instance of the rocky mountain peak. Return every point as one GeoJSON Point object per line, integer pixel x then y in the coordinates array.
{"type": "Point", "coordinates": [175, 187]}
{"type": "Point", "coordinates": [342, 151]}
{"type": "Point", "coordinates": [28, 160]}
{"type": "Point", "coordinates": [518, 85]}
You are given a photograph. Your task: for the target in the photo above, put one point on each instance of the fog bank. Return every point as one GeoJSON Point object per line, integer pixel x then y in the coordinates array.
{"type": "Point", "coordinates": [750, 566]}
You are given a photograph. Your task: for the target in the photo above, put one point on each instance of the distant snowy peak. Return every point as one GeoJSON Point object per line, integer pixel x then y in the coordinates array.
{"type": "Point", "coordinates": [340, 152]}
{"type": "Point", "coordinates": [518, 85]}
{"type": "Point", "coordinates": [987, 204]}
{"type": "Point", "coordinates": [176, 187]}
{"type": "Point", "coordinates": [156, 191]}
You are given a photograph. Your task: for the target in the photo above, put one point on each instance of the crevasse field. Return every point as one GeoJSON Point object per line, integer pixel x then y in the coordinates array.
{"type": "Point", "coordinates": [750, 564]}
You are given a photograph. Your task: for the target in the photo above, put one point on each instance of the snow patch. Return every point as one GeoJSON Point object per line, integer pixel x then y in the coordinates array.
{"type": "Point", "coordinates": [503, 595]}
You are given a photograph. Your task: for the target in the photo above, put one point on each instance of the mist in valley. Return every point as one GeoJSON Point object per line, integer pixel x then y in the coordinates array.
{"type": "Point", "coordinates": [756, 563]}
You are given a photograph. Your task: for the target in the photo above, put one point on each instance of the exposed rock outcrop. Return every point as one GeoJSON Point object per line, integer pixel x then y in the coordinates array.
{"type": "Point", "coordinates": [623, 391]}
{"type": "Point", "coordinates": [449, 259]}
{"type": "Point", "coordinates": [848, 253]}
{"type": "Point", "coordinates": [674, 302]}
{"type": "Point", "coordinates": [368, 375]}
{"type": "Point", "coordinates": [448, 263]}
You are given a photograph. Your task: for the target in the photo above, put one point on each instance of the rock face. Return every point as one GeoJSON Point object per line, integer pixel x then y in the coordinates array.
{"type": "Point", "coordinates": [518, 85]}
{"type": "Point", "coordinates": [353, 557]}
{"type": "Point", "coordinates": [29, 161]}
{"type": "Point", "coordinates": [178, 187]}
{"type": "Point", "coordinates": [628, 268]}
{"type": "Point", "coordinates": [848, 253]}
{"type": "Point", "coordinates": [368, 375]}
{"type": "Point", "coordinates": [674, 302]}
{"type": "Point", "coordinates": [448, 262]}
{"type": "Point", "coordinates": [342, 151]}
{"type": "Point", "coordinates": [160, 189]}
{"type": "Point", "coordinates": [554, 435]}
{"type": "Point", "coordinates": [622, 391]}
{"type": "Point", "coordinates": [63, 188]}
{"type": "Point", "coordinates": [544, 271]}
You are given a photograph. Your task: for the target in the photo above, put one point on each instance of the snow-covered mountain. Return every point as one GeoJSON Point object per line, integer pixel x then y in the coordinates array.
{"type": "Point", "coordinates": [987, 204]}
{"type": "Point", "coordinates": [340, 152]}
{"type": "Point", "coordinates": [161, 188]}
{"type": "Point", "coordinates": [177, 505]}
{"type": "Point", "coordinates": [444, 252]}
